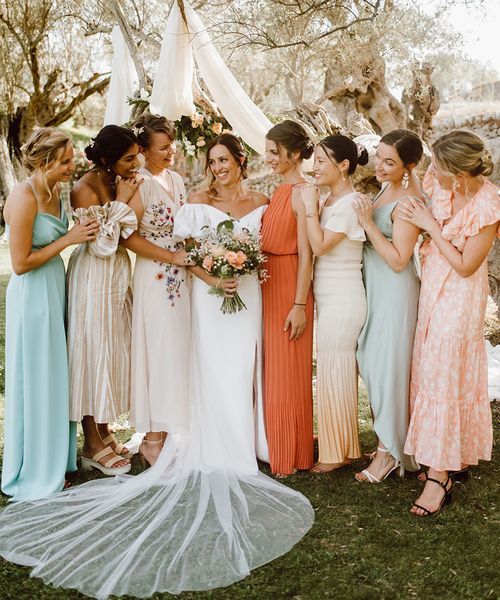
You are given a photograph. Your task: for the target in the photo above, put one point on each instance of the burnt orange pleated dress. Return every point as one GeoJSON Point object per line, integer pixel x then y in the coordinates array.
{"type": "Point", "coordinates": [287, 363]}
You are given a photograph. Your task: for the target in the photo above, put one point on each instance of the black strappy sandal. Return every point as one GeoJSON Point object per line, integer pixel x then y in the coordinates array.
{"type": "Point", "coordinates": [446, 498]}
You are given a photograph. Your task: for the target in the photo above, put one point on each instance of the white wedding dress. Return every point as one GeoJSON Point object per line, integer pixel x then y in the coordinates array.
{"type": "Point", "coordinates": [203, 516]}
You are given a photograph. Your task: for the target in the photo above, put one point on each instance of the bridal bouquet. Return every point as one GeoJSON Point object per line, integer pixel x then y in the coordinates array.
{"type": "Point", "coordinates": [224, 253]}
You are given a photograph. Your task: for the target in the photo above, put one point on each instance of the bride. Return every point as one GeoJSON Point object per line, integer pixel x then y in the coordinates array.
{"type": "Point", "coordinates": [203, 516]}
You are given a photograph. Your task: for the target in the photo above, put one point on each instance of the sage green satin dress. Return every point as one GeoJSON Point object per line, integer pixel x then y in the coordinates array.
{"type": "Point", "coordinates": [39, 441]}
{"type": "Point", "coordinates": [386, 341]}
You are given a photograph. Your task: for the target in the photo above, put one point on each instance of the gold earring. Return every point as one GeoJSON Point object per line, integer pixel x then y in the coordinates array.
{"type": "Point", "coordinates": [405, 182]}
{"type": "Point", "coordinates": [343, 175]}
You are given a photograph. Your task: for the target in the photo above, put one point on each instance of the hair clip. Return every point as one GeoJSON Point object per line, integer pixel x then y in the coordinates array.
{"type": "Point", "coordinates": [137, 131]}
{"type": "Point", "coordinates": [91, 142]}
{"type": "Point", "coordinates": [485, 156]}
{"type": "Point", "coordinates": [359, 149]}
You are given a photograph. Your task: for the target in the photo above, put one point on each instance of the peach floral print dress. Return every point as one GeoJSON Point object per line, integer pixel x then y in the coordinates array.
{"type": "Point", "coordinates": [450, 412]}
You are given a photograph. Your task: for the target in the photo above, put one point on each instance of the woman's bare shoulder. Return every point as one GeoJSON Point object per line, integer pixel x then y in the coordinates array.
{"type": "Point", "coordinates": [199, 197]}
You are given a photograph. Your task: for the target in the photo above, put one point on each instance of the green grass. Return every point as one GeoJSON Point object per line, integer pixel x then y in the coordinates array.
{"type": "Point", "coordinates": [364, 545]}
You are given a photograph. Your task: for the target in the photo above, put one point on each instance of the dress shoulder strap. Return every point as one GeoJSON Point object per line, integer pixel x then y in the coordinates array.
{"type": "Point", "coordinates": [30, 183]}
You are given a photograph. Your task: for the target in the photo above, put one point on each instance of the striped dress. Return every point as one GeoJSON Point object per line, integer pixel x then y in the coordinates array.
{"type": "Point", "coordinates": [99, 317]}
{"type": "Point", "coordinates": [288, 404]}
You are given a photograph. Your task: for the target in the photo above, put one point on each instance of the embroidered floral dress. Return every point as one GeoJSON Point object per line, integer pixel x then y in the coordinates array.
{"type": "Point", "coordinates": [450, 412]}
{"type": "Point", "coordinates": [160, 319]}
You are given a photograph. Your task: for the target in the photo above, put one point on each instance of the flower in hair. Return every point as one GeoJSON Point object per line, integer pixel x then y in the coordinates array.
{"type": "Point", "coordinates": [137, 131]}
{"type": "Point", "coordinates": [359, 149]}
{"type": "Point", "coordinates": [485, 156]}
{"type": "Point", "coordinates": [91, 142]}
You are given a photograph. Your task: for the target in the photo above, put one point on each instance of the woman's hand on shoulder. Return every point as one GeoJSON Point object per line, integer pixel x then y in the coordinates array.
{"type": "Point", "coordinates": [414, 210]}
{"type": "Point", "coordinates": [363, 207]}
{"type": "Point", "coordinates": [309, 195]}
{"type": "Point", "coordinates": [127, 188]}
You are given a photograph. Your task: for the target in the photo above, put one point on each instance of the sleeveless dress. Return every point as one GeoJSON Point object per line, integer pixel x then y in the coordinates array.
{"type": "Point", "coordinates": [160, 316]}
{"type": "Point", "coordinates": [288, 407]}
{"type": "Point", "coordinates": [100, 317]}
{"type": "Point", "coordinates": [341, 311]}
{"type": "Point", "coordinates": [203, 516]}
{"type": "Point", "coordinates": [39, 442]}
{"type": "Point", "coordinates": [386, 341]}
{"type": "Point", "coordinates": [451, 416]}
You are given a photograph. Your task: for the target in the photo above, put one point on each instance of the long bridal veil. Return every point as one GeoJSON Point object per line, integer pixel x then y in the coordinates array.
{"type": "Point", "coordinates": [181, 525]}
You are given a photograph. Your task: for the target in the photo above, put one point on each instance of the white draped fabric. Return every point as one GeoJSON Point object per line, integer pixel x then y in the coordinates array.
{"type": "Point", "coordinates": [172, 94]}
{"type": "Point", "coordinates": [124, 81]}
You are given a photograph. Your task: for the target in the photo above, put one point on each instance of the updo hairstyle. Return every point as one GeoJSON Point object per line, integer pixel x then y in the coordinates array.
{"type": "Point", "coordinates": [109, 145]}
{"type": "Point", "coordinates": [44, 148]}
{"type": "Point", "coordinates": [407, 144]}
{"type": "Point", "coordinates": [145, 126]}
{"type": "Point", "coordinates": [293, 137]}
{"type": "Point", "coordinates": [461, 151]}
{"type": "Point", "coordinates": [340, 147]}
{"type": "Point", "coordinates": [237, 151]}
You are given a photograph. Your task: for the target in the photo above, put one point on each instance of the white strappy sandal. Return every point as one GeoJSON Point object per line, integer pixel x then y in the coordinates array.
{"type": "Point", "coordinates": [370, 478]}
{"type": "Point", "coordinates": [106, 467]}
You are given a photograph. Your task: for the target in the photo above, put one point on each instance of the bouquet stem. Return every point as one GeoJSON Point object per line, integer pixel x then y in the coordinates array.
{"type": "Point", "coordinates": [230, 304]}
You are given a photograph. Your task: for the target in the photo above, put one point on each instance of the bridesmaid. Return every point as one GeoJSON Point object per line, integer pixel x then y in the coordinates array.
{"type": "Point", "coordinates": [288, 306]}
{"type": "Point", "coordinates": [392, 288]}
{"type": "Point", "coordinates": [100, 299]}
{"type": "Point", "coordinates": [450, 425]}
{"type": "Point", "coordinates": [40, 444]}
{"type": "Point", "coordinates": [161, 310]}
{"type": "Point", "coordinates": [337, 240]}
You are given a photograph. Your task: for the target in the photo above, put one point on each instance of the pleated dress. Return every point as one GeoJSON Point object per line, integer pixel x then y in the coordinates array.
{"type": "Point", "coordinates": [288, 409]}
{"type": "Point", "coordinates": [341, 310]}
{"type": "Point", "coordinates": [40, 442]}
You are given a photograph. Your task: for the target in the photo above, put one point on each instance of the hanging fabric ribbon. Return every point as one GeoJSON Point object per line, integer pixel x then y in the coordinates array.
{"type": "Point", "coordinates": [124, 81]}
{"type": "Point", "coordinates": [172, 94]}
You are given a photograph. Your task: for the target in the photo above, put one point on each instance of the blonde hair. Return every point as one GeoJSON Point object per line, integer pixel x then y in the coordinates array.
{"type": "Point", "coordinates": [461, 151]}
{"type": "Point", "coordinates": [44, 149]}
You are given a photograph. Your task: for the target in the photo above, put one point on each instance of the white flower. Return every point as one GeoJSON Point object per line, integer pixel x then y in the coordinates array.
{"type": "Point", "coordinates": [143, 94]}
{"type": "Point", "coordinates": [200, 142]}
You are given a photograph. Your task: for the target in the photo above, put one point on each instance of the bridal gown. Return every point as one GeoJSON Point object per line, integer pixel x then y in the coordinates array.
{"type": "Point", "coordinates": [203, 516]}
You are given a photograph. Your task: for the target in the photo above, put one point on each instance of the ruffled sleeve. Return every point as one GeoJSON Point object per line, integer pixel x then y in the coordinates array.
{"type": "Point", "coordinates": [481, 211]}
{"type": "Point", "coordinates": [344, 220]}
{"type": "Point", "coordinates": [440, 199]}
{"type": "Point", "coordinates": [189, 221]}
{"type": "Point", "coordinates": [115, 219]}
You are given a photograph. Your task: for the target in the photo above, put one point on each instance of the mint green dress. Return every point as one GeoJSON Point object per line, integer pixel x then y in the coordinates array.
{"type": "Point", "coordinates": [39, 441]}
{"type": "Point", "coordinates": [385, 343]}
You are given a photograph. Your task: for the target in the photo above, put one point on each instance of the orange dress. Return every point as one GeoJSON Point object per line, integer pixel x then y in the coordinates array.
{"type": "Point", "coordinates": [287, 364]}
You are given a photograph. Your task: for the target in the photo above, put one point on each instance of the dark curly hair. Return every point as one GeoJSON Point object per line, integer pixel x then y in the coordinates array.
{"type": "Point", "coordinates": [109, 145]}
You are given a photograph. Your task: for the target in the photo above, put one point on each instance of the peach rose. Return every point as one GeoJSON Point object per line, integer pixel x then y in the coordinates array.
{"type": "Point", "coordinates": [208, 263]}
{"type": "Point", "coordinates": [236, 259]}
{"type": "Point", "coordinates": [217, 128]}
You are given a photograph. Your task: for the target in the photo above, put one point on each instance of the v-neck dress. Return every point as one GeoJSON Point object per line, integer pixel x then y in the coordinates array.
{"type": "Point", "coordinates": [450, 415]}
{"type": "Point", "coordinates": [386, 341]}
{"type": "Point", "coordinates": [39, 442]}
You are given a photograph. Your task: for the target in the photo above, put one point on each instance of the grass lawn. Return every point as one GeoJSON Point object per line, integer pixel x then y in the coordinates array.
{"type": "Point", "coordinates": [363, 545]}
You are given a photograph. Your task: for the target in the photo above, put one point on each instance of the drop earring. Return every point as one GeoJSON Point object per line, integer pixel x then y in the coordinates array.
{"type": "Point", "coordinates": [343, 176]}
{"type": "Point", "coordinates": [405, 182]}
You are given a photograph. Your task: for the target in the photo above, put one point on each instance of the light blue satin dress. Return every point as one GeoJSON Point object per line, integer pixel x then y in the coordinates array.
{"type": "Point", "coordinates": [385, 343]}
{"type": "Point", "coordinates": [39, 441]}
